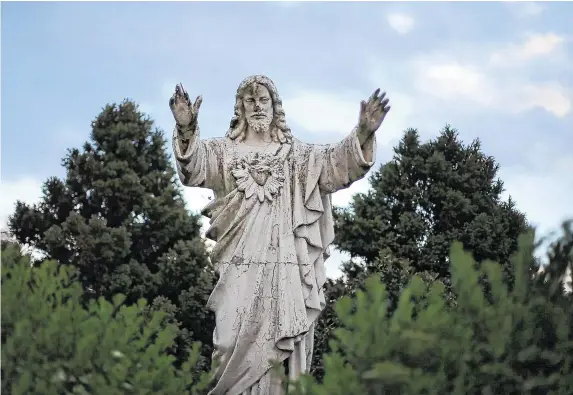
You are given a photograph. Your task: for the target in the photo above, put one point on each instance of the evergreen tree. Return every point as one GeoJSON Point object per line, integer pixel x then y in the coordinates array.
{"type": "Point", "coordinates": [119, 219]}
{"type": "Point", "coordinates": [52, 345]}
{"type": "Point", "coordinates": [428, 196]}
{"type": "Point", "coordinates": [515, 340]}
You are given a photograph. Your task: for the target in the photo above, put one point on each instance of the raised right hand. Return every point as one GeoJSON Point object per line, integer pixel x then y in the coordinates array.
{"type": "Point", "coordinates": [184, 112]}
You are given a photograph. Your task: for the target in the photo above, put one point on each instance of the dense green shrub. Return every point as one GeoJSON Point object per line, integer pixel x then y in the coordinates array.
{"type": "Point", "coordinates": [119, 218]}
{"type": "Point", "coordinates": [508, 340]}
{"type": "Point", "coordinates": [52, 345]}
{"type": "Point", "coordinates": [428, 195]}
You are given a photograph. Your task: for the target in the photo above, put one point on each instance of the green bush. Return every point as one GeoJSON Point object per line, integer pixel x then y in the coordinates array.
{"type": "Point", "coordinates": [428, 195]}
{"type": "Point", "coordinates": [495, 340]}
{"type": "Point", "coordinates": [119, 218]}
{"type": "Point", "coordinates": [53, 345]}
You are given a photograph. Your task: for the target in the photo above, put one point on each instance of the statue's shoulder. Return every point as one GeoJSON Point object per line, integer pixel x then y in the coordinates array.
{"type": "Point", "coordinates": [301, 151]}
{"type": "Point", "coordinates": [216, 140]}
{"type": "Point", "coordinates": [298, 145]}
{"type": "Point", "coordinates": [219, 142]}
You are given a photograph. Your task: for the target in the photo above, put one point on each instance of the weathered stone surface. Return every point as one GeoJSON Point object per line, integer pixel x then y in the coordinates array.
{"type": "Point", "coordinates": [272, 223]}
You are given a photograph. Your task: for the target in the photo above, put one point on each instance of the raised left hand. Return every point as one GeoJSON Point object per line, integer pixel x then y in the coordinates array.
{"type": "Point", "coordinates": [372, 114]}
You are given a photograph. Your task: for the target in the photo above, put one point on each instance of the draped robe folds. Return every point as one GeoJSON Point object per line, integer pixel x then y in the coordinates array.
{"type": "Point", "coordinates": [269, 252]}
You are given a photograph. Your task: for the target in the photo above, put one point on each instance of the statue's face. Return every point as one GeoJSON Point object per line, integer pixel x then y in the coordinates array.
{"type": "Point", "coordinates": [258, 107]}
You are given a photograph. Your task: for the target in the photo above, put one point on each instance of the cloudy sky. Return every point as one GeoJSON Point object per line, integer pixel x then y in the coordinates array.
{"type": "Point", "coordinates": [502, 72]}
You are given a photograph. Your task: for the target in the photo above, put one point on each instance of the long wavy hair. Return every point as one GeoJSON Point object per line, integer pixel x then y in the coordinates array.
{"type": "Point", "coordinates": [280, 132]}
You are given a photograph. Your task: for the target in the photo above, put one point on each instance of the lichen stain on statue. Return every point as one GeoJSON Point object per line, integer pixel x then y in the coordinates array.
{"type": "Point", "coordinates": [272, 224]}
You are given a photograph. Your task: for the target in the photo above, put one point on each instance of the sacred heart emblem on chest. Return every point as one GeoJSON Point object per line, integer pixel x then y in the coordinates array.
{"type": "Point", "coordinates": [260, 175]}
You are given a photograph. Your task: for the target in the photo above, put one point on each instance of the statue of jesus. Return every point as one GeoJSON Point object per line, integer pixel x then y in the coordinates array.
{"type": "Point", "coordinates": [272, 222]}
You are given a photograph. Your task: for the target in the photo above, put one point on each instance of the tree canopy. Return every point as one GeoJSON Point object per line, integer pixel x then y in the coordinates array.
{"type": "Point", "coordinates": [120, 299]}
{"type": "Point", "coordinates": [429, 195]}
{"type": "Point", "coordinates": [119, 219]}
{"type": "Point", "coordinates": [510, 340]}
{"type": "Point", "coordinates": [52, 344]}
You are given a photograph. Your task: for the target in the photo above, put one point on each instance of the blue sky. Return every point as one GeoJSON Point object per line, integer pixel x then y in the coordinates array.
{"type": "Point", "coordinates": [502, 72]}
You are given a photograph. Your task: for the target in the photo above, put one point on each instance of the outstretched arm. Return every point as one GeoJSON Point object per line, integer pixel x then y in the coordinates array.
{"type": "Point", "coordinates": [199, 163]}
{"type": "Point", "coordinates": [350, 160]}
{"type": "Point", "coordinates": [345, 162]}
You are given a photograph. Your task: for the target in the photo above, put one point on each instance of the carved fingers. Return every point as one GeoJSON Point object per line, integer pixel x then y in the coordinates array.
{"type": "Point", "coordinates": [197, 104]}
{"type": "Point", "coordinates": [184, 111]}
{"type": "Point", "coordinates": [183, 93]}
{"type": "Point", "coordinates": [378, 103]}
{"type": "Point", "coordinates": [172, 101]}
{"type": "Point", "coordinates": [373, 111]}
{"type": "Point", "coordinates": [179, 97]}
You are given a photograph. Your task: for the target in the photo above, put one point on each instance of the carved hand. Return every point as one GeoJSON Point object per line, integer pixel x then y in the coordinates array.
{"type": "Point", "coordinates": [372, 113]}
{"type": "Point", "coordinates": [184, 112]}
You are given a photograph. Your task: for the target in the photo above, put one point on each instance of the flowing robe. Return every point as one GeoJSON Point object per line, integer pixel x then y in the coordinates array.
{"type": "Point", "coordinates": [272, 226]}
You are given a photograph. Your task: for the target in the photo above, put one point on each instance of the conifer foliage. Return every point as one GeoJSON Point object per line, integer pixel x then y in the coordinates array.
{"type": "Point", "coordinates": [510, 340]}
{"type": "Point", "coordinates": [118, 218]}
{"type": "Point", "coordinates": [428, 196]}
{"type": "Point", "coordinates": [52, 344]}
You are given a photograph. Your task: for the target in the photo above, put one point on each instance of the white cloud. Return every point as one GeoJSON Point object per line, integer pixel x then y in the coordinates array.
{"type": "Point", "coordinates": [523, 9]}
{"type": "Point", "coordinates": [402, 23]}
{"type": "Point", "coordinates": [536, 46]}
{"type": "Point", "coordinates": [552, 97]}
{"type": "Point", "coordinates": [471, 87]}
{"type": "Point", "coordinates": [500, 78]}
{"type": "Point", "coordinates": [451, 80]}
{"type": "Point", "coordinates": [480, 88]}
{"type": "Point", "coordinates": [330, 113]}
{"type": "Point", "coordinates": [459, 82]}
{"type": "Point", "coordinates": [26, 189]}
{"type": "Point", "coordinates": [321, 112]}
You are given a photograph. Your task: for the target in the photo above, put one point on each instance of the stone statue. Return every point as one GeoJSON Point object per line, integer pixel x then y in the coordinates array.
{"type": "Point", "coordinates": [272, 223]}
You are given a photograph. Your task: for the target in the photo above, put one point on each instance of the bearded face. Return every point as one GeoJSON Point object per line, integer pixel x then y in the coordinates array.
{"type": "Point", "coordinates": [258, 108]}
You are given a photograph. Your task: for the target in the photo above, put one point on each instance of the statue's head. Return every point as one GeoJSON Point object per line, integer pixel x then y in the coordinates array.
{"type": "Point", "coordinates": [258, 106]}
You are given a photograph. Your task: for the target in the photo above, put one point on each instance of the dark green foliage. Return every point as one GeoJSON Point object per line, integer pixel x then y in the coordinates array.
{"type": "Point", "coordinates": [514, 340]}
{"type": "Point", "coordinates": [119, 219]}
{"type": "Point", "coordinates": [334, 290]}
{"type": "Point", "coordinates": [429, 195]}
{"type": "Point", "coordinates": [395, 274]}
{"type": "Point", "coordinates": [52, 345]}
